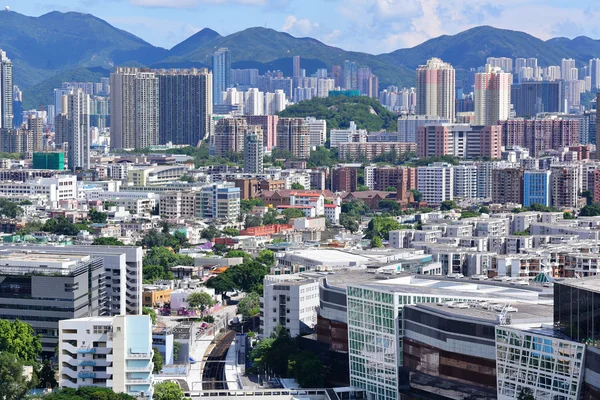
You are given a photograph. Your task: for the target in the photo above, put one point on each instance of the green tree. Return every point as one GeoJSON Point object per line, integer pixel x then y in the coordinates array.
{"type": "Point", "coordinates": [158, 260]}
{"type": "Point", "coordinates": [447, 205]}
{"type": "Point", "coordinates": [266, 257]}
{"type": "Point", "coordinates": [522, 233]}
{"type": "Point", "coordinates": [210, 232]}
{"type": "Point", "coordinates": [355, 207]}
{"type": "Point", "coordinates": [18, 338]}
{"type": "Point", "coordinates": [31, 227]}
{"type": "Point", "coordinates": [177, 345]}
{"type": "Point", "coordinates": [591, 210]}
{"type": "Point", "coordinates": [307, 369]}
{"type": "Point", "coordinates": [391, 189]}
{"type": "Point", "coordinates": [222, 283]}
{"type": "Point", "coordinates": [362, 188]}
{"type": "Point", "coordinates": [250, 305]}
{"type": "Point", "coordinates": [418, 196]}
{"type": "Point", "coordinates": [484, 210]}
{"type": "Point", "coordinates": [350, 222]}
{"type": "Point", "coordinates": [376, 242]}
{"type": "Point", "coordinates": [238, 253]}
{"type": "Point", "coordinates": [247, 205]}
{"type": "Point", "coordinates": [13, 385]}
{"type": "Point", "coordinates": [158, 361]}
{"type": "Point", "coordinates": [149, 311]}
{"type": "Point", "coordinates": [9, 209]}
{"type": "Point", "coordinates": [469, 214]}
{"type": "Point", "coordinates": [390, 205]}
{"type": "Point", "coordinates": [47, 376]}
{"type": "Point", "coordinates": [568, 215]}
{"type": "Point", "coordinates": [252, 220]}
{"type": "Point", "coordinates": [107, 241]}
{"type": "Point", "coordinates": [297, 186]}
{"type": "Point", "coordinates": [97, 217]}
{"type": "Point", "coordinates": [200, 301]}
{"type": "Point", "coordinates": [322, 157]}
{"type": "Point", "coordinates": [167, 391]}
{"type": "Point", "coordinates": [271, 217]}
{"type": "Point", "coordinates": [589, 196]}
{"type": "Point", "coordinates": [231, 232]}
{"type": "Point", "coordinates": [381, 226]}
{"type": "Point", "coordinates": [290, 213]}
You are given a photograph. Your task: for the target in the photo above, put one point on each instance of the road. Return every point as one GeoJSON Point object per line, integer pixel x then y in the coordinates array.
{"type": "Point", "coordinates": [214, 367]}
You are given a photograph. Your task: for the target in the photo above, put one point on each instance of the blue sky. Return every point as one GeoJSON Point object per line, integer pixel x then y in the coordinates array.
{"type": "Point", "coordinates": [374, 26]}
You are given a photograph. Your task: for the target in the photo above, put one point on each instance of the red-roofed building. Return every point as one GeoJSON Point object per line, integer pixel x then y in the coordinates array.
{"type": "Point", "coordinates": [266, 230]}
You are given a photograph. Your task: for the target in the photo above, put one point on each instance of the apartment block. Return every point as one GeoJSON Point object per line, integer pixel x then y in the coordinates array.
{"type": "Point", "coordinates": [370, 150]}
{"type": "Point", "coordinates": [436, 182]}
{"type": "Point", "coordinates": [507, 186]}
{"type": "Point", "coordinates": [111, 352]}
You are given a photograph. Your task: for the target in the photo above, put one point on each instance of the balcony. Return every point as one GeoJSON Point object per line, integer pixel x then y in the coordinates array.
{"type": "Point", "coordinates": [146, 368]}
{"type": "Point", "coordinates": [138, 381]}
{"type": "Point", "coordinates": [88, 363]}
{"type": "Point", "coordinates": [139, 355]}
{"type": "Point", "coordinates": [86, 374]}
{"type": "Point", "coordinates": [86, 350]}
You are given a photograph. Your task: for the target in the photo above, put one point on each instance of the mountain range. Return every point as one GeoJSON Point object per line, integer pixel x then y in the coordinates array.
{"type": "Point", "coordinates": [58, 47]}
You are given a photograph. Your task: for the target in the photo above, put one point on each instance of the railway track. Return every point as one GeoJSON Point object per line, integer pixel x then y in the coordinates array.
{"type": "Point", "coordinates": [214, 366]}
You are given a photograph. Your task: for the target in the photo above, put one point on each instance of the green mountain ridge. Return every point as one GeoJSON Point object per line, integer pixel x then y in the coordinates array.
{"type": "Point", "coordinates": [60, 45]}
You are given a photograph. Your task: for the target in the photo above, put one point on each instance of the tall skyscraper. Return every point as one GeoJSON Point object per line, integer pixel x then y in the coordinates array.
{"type": "Point", "coordinates": [253, 150]}
{"type": "Point", "coordinates": [185, 101]}
{"type": "Point", "coordinates": [293, 136]}
{"type": "Point", "coordinates": [519, 63]}
{"type": "Point", "coordinates": [566, 65]}
{"type": "Point", "coordinates": [492, 96]}
{"type": "Point", "coordinates": [350, 75]}
{"type": "Point", "coordinates": [18, 107]}
{"type": "Point", "coordinates": [597, 124]}
{"type": "Point", "coordinates": [134, 108]}
{"type": "Point", "coordinates": [221, 64]}
{"type": "Point", "coordinates": [296, 66]}
{"type": "Point", "coordinates": [75, 121]}
{"type": "Point", "coordinates": [436, 89]}
{"type": "Point", "coordinates": [6, 91]}
{"type": "Point", "coordinates": [595, 73]}
{"type": "Point", "coordinates": [36, 127]}
{"type": "Point", "coordinates": [530, 98]}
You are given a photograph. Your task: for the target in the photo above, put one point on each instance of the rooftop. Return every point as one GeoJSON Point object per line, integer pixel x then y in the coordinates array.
{"type": "Point", "coordinates": [591, 283]}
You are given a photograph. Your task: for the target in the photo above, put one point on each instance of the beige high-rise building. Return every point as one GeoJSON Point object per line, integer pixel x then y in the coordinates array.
{"type": "Point", "coordinates": [134, 111]}
{"type": "Point", "coordinates": [436, 89]}
{"type": "Point", "coordinates": [492, 96]}
{"type": "Point", "coordinates": [293, 135]}
{"type": "Point", "coordinates": [229, 136]}
{"type": "Point", "coordinates": [36, 127]}
{"type": "Point", "coordinates": [253, 150]}
{"type": "Point", "coordinates": [78, 129]}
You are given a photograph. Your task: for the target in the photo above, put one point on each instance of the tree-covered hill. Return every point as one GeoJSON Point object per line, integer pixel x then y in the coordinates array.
{"type": "Point", "coordinates": [338, 111]}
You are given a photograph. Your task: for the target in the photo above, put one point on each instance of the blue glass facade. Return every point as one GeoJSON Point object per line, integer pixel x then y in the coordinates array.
{"type": "Point", "coordinates": [536, 188]}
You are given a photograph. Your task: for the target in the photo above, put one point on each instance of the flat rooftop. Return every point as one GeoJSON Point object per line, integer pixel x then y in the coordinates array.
{"type": "Point", "coordinates": [591, 283]}
{"type": "Point", "coordinates": [527, 313]}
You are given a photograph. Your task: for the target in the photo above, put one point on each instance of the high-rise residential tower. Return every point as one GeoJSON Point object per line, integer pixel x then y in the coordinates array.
{"type": "Point", "coordinates": [253, 150]}
{"type": "Point", "coordinates": [78, 129]}
{"type": "Point", "coordinates": [229, 136]}
{"type": "Point", "coordinates": [594, 69]}
{"type": "Point", "coordinates": [185, 101]}
{"type": "Point", "coordinates": [296, 66]}
{"type": "Point", "coordinates": [492, 96]}
{"type": "Point", "coordinates": [293, 136]}
{"type": "Point", "coordinates": [566, 65]}
{"type": "Point", "coordinates": [6, 91]}
{"type": "Point", "coordinates": [221, 64]}
{"type": "Point", "coordinates": [134, 112]}
{"type": "Point", "coordinates": [436, 89]}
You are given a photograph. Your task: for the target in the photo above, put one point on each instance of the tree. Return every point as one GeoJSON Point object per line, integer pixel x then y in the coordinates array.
{"type": "Point", "coordinates": [252, 220]}
{"type": "Point", "coordinates": [447, 205]}
{"type": "Point", "coordinates": [417, 195]}
{"type": "Point", "coordinates": [362, 188]}
{"type": "Point", "coordinates": [591, 210]}
{"type": "Point", "coordinates": [177, 345]}
{"type": "Point", "coordinates": [484, 210]}
{"type": "Point", "coordinates": [47, 377]}
{"type": "Point", "coordinates": [158, 361]}
{"type": "Point", "coordinates": [200, 301]}
{"type": "Point", "coordinates": [9, 209]}
{"type": "Point", "coordinates": [307, 369]}
{"type": "Point", "coordinates": [522, 233]}
{"type": "Point", "coordinates": [271, 217]}
{"type": "Point", "coordinates": [350, 222]}
{"type": "Point", "coordinates": [469, 214]}
{"type": "Point", "coordinates": [97, 217]}
{"type": "Point", "coordinates": [158, 260]}
{"type": "Point", "coordinates": [107, 241]}
{"type": "Point", "coordinates": [249, 306]}
{"type": "Point", "coordinates": [390, 205]}
{"type": "Point", "coordinates": [222, 283]}
{"type": "Point", "coordinates": [376, 242]}
{"type": "Point", "coordinates": [589, 196]}
{"type": "Point", "coordinates": [168, 391]}
{"type": "Point", "coordinates": [568, 215]}
{"type": "Point", "coordinates": [381, 226]}
{"type": "Point", "coordinates": [230, 232]}
{"type": "Point", "coordinates": [290, 213]}
{"type": "Point", "coordinates": [247, 205]}
{"type": "Point", "coordinates": [13, 384]}
{"type": "Point", "coordinates": [266, 257]}
{"type": "Point", "coordinates": [391, 189]}
{"type": "Point", "coordinates": [18, 338]}
{"type": "Point", "coordinates": [297, 186]}
{"type": "Point", "coordinates": [355, 207]}
{"type": "Point", "coordinates": [86, 393]}
{"type": "Point", "coordinates": [149, 311]}
{"type": "Point", "coordinates": [210, 232]}
{"type": "Point", "coordinates": [238, 253]}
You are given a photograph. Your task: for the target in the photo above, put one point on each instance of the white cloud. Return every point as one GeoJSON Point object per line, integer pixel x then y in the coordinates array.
{"type": "Point", "coordinates": [301, 27]}
{"type": "Point", "coordinates": [190, 3]}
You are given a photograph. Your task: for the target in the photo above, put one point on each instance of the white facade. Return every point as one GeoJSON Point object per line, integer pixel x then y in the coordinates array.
{"type": "Point", "coordinates": [408, 125]}
{"type": "Point", "coordinates": [350, 135]}
{"type": "Point", "coordinates": [59, 188]}
{"type": "Point", "coordinates": [112, 352]}
{"type": "Point", "coordinates": [436, 182]}
{"type": "Point", "coordinates": [289, 301]}
{"type": "Point", "coordinates": [465, 181]}
{"type": "Point", "coordinates": [179, 297]}
{"type": "Point", "coordinates": [317, 130]}
{"type": "Point", "coordinates": [492, 96]}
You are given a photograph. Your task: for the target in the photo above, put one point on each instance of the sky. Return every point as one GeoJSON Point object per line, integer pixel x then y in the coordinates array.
{"type": "Point", "coordinates": [372, 26]}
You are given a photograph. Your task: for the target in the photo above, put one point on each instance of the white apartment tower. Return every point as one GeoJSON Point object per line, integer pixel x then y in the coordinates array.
{"type": "Point", "coordinates": [73, 127]}
{"type": "Point", "coordinates": [6, 91]}
{"type": "Point", "coordinates": [492, 96]}
{"type": "Point", "coordinates": [436, 89]}
{"type": "Point", "coordinates": [436, 182]}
